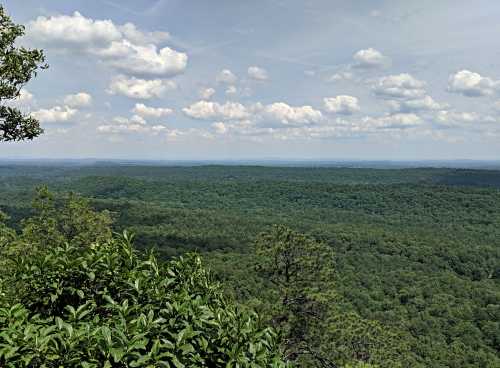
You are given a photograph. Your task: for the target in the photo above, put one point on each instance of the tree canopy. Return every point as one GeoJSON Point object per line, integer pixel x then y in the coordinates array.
{"type": "Point", "coordinates": [18, 66]}
{"type": "Point", "coordinates": [93, 301]}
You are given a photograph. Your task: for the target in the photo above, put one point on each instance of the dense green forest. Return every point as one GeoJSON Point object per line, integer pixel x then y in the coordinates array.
{"type": "Point", "coordinates": [414, 279]}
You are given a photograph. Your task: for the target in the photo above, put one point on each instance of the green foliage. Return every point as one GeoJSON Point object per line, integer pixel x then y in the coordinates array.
{"type": "Point", "coordinates": [318, 331]}
{"type": "Point", "coordinates": [104, 306]}
{"type": "Point", "coordinates": [347, 338]}
{"type": "Point", "coordinates": [417, 251]}
{"type": "Point", "coordinates": [17, 66]}
{"type": "Point", "coordinates": [72, 220]}
{"type": "Point", "coordinates": [301, 269]}
{"type": "Point", "coordinates": [7, 235]}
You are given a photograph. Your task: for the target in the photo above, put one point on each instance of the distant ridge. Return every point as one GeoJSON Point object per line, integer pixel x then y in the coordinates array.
{"type": "Point", "coordinates": [375, 164]}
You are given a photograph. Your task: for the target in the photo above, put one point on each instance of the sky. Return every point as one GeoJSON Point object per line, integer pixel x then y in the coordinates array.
{"type": "Point", "coordinates": [262, 79]}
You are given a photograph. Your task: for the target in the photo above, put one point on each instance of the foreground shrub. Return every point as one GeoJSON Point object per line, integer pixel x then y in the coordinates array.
{"type": "Point", "coordinates": [104, 306]}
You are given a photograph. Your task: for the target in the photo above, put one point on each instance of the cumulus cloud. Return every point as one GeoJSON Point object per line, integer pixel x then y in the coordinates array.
{"type": "Point", "coordinates": [278, 112]}
{"type": "Point", "coordinates": [220, 127]}
{"type": "Point", "coordinates": [81, 99]}
{"type": "Point", "coordinates": [74, 30]}
{"type": "Point", "coordinates": [130, 32]}
{"type": "Point", "coordinates": [140, 88]}
{"type": "Point", "coordinates": [370, 59]}
{"type": "Point", "coordinates": [394, 121]}
{"type": "Point", "coordinates": [132, 127]}
{"type": "Point", "coordinates": [144, 60]}
{"type": "Point", "coordinates": [25, 99]}
{"type": "Point", "coordinates": [401, 86]}
{"type": "Point", "coordinates": [257, 73]}
{"type": "Point", "coordinates": [254, 132]}
{"type": "Point", "coordinates": [339, 77]}
{"type": "Point", "coordinates": [135, 119]}
{"type": "Point", "coordinates": [135, 124]}
{"type": "Point", "coordinates": [226, 76]}
{"type": "Point", "coordinates": [206, 93]}
{"type": "Point", "coordinates": [303, 123]}
{"type": "Point", "coordinates": [231, 90]}
{"type": "Point", "coordinates": [426, 103]}
{"type": "Point", "coordinates": [122, 128]}
{"type": "Point", "coordinates": [151, 112]}
{"type": "Point", "coordinates": [206, 110]}
{"type": "Point", "coordinates": [454, 118]}
{"type": "Point", "coordinates": [123, 47]}
{"type": "Point", "coordinates": [471, 84]}
{"type": "Point", "coordinates": [243, 128]}
{"type": "Point", "coordinates": [56, 114]}
{"type": "Point", "coordinates": [175, 134]}
{"type": "Point", "coordinates": [286, 114]}
{"type": "Point", "coordinates": [337, 128]}
{"type": "Point", "coordinates": [342, 104]}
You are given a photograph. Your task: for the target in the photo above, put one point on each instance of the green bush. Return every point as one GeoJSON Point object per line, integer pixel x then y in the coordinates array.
{"type": "Point", "coordinates": [104, 306]}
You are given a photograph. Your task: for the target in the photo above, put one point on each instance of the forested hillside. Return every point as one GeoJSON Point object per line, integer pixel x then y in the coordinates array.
{"type": "Point", "coordinates": [416, 252]}
{"type": "Point", "coordinates": [388, 260]}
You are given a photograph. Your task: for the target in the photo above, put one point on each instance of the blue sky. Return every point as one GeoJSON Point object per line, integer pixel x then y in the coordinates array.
{"type": "Point", "coordinates": [171, 79]}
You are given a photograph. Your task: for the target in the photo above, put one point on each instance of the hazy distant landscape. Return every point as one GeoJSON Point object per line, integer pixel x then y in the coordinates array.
{"type": "Point", "coordinates": [381, 164]}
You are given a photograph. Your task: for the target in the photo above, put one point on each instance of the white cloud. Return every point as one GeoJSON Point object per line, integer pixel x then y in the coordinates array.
{"type": "Point", "coordinates": [135, 124]}
{"type": "Point", "coordinates": [342, 104]}
{"type": "Point", "coordinates": [25, 99]}
{"type": "Point", "coordinates": [257, 73]}
{"type": "Point", "coordinates": [333, 131]}
{"type": "Point", "coordinates": [56, 114]}
{"type": "Point", "coordinates": [74, 30]}
{"type": "Point", "coordinates": [159, 128]}
{"type": "Point", "coordinates": [286, 114]}
{"type": "Point", "coordinates": [144, 60]}
{"type": "Point", "coordinates": [471, 84]}
{"type": "Point", "coordinates": [395, 121]}
{"type": "Point", "coordinates": [231, 90]}
{"type": "Point", "coordinates": [244, 128]}
{"type": "Point", "coordinates": [135, 119]}
{"type": "Point", "coordinates": [206, 93]}
{"type": "Point", "coordinates": [220, 127]}
{"type": "Point", "coordinates": [151, 112]}
{"type": "Point", "coordinates": [426, 103]}
{"type": "Point", "coordinates": [337, 128]}
{"type": "Point", "coordinates": [259, 128]}
{"type": "Point", "coordinates": [140, 88]}
{"type": "Point", "coordinates": [122, 128]}
{"type": "Point", "coordinates": [370, 58]}
{"type": "Point", "coordinates": [81, 99]}
{"type": "Point", "coordinates": [123, 47]}
{"type": "Point", "coordinates": [402, 86]}
{"type": "Point", "coordinates": [175, 134]}
{"type": "Point", "coordinates": [226, 76]}
{"type": "Point", "coordinates": [207, 110]}
{"type": "Point", "coordinates": [455, 118]}
{"type": "Point", "coordinates": [130, 32]}
{"type": "Point", "coordinates": [278, 112]}
{"type": "Point", "coordinates": [340, 76]}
